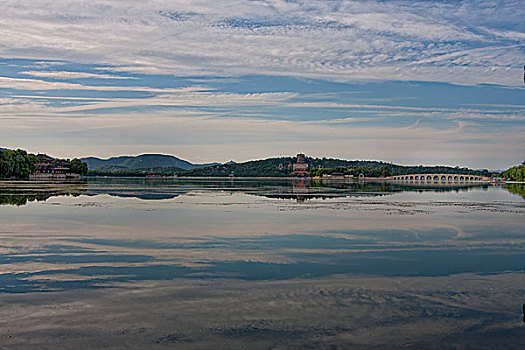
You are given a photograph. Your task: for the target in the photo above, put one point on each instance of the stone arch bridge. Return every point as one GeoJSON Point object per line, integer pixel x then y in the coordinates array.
{"type": "Point", "coordinates": [440, 178]}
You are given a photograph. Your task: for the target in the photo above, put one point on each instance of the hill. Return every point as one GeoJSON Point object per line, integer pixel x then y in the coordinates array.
{"type": "Point", "coordinates": [282, 166]}
{"type": "Point", "coordinates": [141, 162]}
{"type": "Point", "coordinates": [160, 164]}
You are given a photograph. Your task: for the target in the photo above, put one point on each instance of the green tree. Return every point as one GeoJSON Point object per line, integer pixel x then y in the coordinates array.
{"type": "Point", "coordinates": [78, 167]}
{"type": "Point", "coordinates": [516, 189]}
{"type": "Point", "coordinates": [384, 171]}
{"type": "Point", "coordinates": [516, 173]}
{"type": "Point", "coordinates": [16, 164]}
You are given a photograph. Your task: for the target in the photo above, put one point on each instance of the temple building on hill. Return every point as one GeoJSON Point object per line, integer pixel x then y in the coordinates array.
{"type": "Point", "coordinates": [300, 167]}
{"type": "Point", "coordinates": [49, 168]}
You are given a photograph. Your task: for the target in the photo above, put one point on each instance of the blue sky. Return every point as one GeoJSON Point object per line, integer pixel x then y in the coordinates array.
{"type": "Point", "coordinates": [412, 82]}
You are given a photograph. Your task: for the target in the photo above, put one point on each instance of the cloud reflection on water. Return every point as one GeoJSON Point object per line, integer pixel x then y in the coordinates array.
{"type": "Point", "coordinates": [142, 263]}
{"type": "Point", "coordinates": [139, 232]}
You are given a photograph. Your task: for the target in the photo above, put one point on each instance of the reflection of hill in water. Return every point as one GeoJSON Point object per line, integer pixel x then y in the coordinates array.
{"type": "Point", "coordinates": [140, 188]}
{"type": "Point", "coordinates": [303, 190]}
{"type": "Point", "coordinates": [143, 194]}
{"type": "Point", "coordinates": [20, 193]}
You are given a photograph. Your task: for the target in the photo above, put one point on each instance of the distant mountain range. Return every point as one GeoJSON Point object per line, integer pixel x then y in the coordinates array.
{"type": "Point", "coordinates": [143, 161]}
{"type": "Point", "coordinates": [168, 165]}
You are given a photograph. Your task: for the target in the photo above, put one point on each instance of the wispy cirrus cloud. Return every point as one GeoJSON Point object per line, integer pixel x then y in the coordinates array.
{"type": "Point", "coordinates": [72, 75]}
{"type": "Point", "coordinates": [45, 85]}
{"type": "Point", "coordinates": [459, 42]}
{"type": "Point", "coordinates": [211, 81]}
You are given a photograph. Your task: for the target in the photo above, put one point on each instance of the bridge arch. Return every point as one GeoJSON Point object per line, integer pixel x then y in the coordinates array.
{"type": "Point", "coordinates": [438, 178]}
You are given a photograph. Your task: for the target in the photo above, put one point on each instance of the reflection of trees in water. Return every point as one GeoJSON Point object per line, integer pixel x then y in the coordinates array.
{"type": "Point", "coordinates": [518, 189]}
{"type": "Point", "coordinates": [300, 189]}
{"type": "Point", "coordinates": [20, 193]}
{"type": "Point", "coordinates": [303, 190]}
{"type": "Point", "coordinates": [305, 197]}
{"type": "Point", "coordinates": [18, 199]}
{"type": "Point", "coordinates": [156, 189]}
{"type": "Point", "coordinates": [23, 199]}
{"type": "Point", "coordinates": [201, 183]}
{"type": "Point", "coordinates": [362, 186]}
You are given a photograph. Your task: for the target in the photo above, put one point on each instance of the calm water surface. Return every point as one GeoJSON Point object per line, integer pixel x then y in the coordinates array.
{"type": "Point", "coordinates": [145, 263]}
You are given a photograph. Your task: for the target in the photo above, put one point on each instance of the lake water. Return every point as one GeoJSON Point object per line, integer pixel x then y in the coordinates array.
{"type": "Point", "coordinates": [147, 263]}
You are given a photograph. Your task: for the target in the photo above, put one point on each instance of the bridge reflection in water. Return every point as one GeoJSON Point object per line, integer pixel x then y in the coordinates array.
{"type": "Point", "coordinates": [440, 178]}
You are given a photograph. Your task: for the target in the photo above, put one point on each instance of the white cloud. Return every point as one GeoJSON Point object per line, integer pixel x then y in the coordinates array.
{"type": "Point", "coordinates": [221, 104]}
{"type": "Point", "coordinates": [188, 100]}
{"type": "Point", "coordinates": [465, 42]}
{"type": "Point", "coordinates": [37, 84]}
{"type": "Point", "coordinates": [71, 75]}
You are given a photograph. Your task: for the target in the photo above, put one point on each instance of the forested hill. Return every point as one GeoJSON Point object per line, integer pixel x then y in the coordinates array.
{"type": "Point", "coordinates": [283, 167]}
{"type": "Point", "coordinates": [266, 167]}
{"type": "Point", "coordinates": [143, 161]}
{"type": "Point", "coordinates": [19, 164]}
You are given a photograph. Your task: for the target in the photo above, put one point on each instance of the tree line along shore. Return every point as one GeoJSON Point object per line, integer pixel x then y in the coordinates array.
{"type": "Point", "coordinates": [19, 164]}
